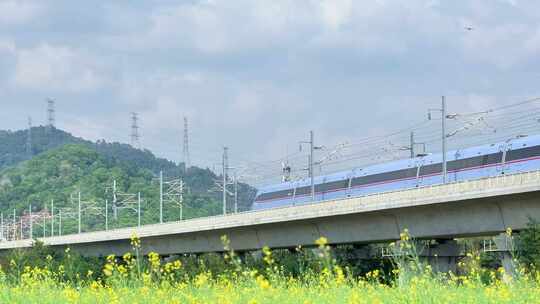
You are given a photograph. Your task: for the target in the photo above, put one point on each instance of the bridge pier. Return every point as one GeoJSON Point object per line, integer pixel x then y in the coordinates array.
{"type": "Point", "coordinates": [441, 256]}
{"type": "Point", "coordinates": [504, 243]}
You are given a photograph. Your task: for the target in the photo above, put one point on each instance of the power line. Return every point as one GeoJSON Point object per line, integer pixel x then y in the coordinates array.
{"type": "Point", "coordinates": [467, 129]}
{"type": "Point", "coordinates": [527, 101]}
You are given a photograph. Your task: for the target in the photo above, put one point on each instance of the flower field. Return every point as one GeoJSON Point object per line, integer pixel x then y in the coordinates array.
{"type": "Point", "coordinates": [134, 279]}
{"type": "Point", "coordinates": [254, 290]}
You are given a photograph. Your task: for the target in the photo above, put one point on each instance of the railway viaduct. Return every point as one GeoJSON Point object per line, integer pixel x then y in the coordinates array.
{"type": "Point", "coordinates": [485, 207]}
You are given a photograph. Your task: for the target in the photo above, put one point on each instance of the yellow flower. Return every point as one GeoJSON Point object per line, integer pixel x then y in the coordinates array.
{"type": "Point", "coordinates": [322, 241]}
{"type": "Point", "coordinates": [135, 241]}
{"type": "Point", "coordinates": [201, 279]}
{"type": "Point", "coordinates": [262, 282]}
{"type": "Point", "coordinates": [154, 260]}
{"type": "Point", "coordinates": [267, 255]}
{"type": "Point", "coordinates": [340, 277]}
{"type": "Point", "coordinates": [111, 258]}
{"type": "Point", "coordinates": [108, 269]}
{"type": "Point", "coordinates": [122, 269]}
{"type": "Point", "coordinates": [95, 285]}
{"type": "Point", "coordinates": [72, 295]}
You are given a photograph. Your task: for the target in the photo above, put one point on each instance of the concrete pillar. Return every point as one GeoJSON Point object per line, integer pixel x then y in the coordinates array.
{"type": "Point", "coordinates": [442, 256]}
{"type": "Point", "coordinates": [505, 247]}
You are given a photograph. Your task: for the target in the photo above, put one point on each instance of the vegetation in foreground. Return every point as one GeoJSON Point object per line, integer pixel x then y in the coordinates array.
{"type": "Point", "coordinates": [313, 276]}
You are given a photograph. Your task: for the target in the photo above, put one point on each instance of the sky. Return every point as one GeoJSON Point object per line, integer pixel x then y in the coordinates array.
{"type": "Point", "coordinates": [256, 76]}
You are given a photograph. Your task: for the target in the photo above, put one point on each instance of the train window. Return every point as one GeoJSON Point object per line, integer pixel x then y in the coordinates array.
{"type": "Point", "coordinates": [303, 190]}
{"type": "Point", "coordinates": [523, 153]}
{"type": "Point", "coordinates": [431, 169]}
{"type": "Point", "coordinates": [493, 158]}
{"type": "Point", "coordinates": [330, 186]}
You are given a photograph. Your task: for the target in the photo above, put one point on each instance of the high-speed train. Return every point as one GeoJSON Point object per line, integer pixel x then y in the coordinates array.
{"type": "Point", "coordinates": [516, 155]}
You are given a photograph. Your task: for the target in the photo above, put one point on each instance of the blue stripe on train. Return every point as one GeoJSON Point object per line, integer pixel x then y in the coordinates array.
{"type": "Point", "coordinates": [469, 174]}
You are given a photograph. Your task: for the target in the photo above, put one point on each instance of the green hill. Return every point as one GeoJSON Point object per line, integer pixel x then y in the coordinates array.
{"type": "Point", "coordinates": [13, 149]}
{"type": "Point", "coordinates": [61, 164]}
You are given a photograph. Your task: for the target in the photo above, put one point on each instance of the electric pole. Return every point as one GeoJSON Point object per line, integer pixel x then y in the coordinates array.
{"type": "Point", "coordinates": [312, 149]}
{"type": "Point", "coordinates": [311, 166]}
{"type": "Point", "coordinates": [412, 145]}
{"type": "Point", "coordinates": [172, 191]}
{"type": "Point", "coordinates": [14, 224]}
{"type": "Point", "coordinates": [138, 209]}
{"type": "Point", "coordinates": [79, 212]}
{"type": "Point", "coordinates": [444, 135]}
{"type": "Point", "coordinates": [121, 200]}
{"type": "Point", "coordinates": [52, 217]}
{"type": "Point", "coordinates": [160, 196]}
{"type": "Point", "coordinates": [225, 172]}
{"type": "Point", "coordinates": [235, 192]}
{"type": "Point", "coordinates": [60, 222]}
{"type": "Point", "coordinates": [30, 221]}
{"type": "Point", "coordinates": [115, 201]}
{"type": "Point", "coordinates": [106, 214]}
{"type": "Point", "coordinates": [443, 109]}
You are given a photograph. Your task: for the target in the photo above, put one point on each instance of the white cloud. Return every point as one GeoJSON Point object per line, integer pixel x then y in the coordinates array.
{"type": "Point", "coordinates": [48, 67]}
{"type": "Point", "coordinates": [17, 12]}
{"type": "Point", "coordinates": [258, 74]}
{"type": "Point", "coordinates": [336, 13]}
{"type": "Point", "coordinates": [7, 46]}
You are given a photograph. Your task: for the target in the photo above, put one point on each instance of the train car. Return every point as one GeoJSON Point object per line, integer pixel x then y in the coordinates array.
{"type": "Point", "coordinates": [515, 155]}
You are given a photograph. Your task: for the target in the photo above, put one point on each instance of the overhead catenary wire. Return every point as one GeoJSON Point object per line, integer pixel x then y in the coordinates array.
{"type": "Point", "coordinates": [475, 128]}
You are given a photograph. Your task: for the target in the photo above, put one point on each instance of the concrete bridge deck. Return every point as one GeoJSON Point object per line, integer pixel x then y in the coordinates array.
{"type": "Point", "coordinates": [472, 208]}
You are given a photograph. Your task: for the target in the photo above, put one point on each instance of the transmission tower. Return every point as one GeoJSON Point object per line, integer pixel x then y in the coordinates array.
{"type": "Point", "coordinates": [186, 144]}
{"type": "Point", "coordinates": [29, 138]}
{"type": "Point", "coordinates": [50, 113]}
{"type": "Point", "coordinates": [135, 130]}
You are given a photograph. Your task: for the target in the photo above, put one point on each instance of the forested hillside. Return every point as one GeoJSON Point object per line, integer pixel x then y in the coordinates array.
{"type": "Point", "coordinates": [60, 165]}
{"type": "Point", "coordinates": [13, 149]}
